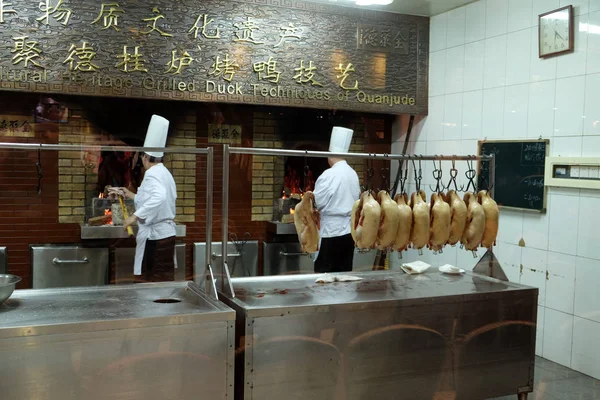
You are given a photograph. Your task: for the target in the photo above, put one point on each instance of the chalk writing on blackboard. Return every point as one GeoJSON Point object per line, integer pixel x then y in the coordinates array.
{"type": "Point", "coordinates": [531, 199]}
{"type": "Point", "coordinates": [518, 172]}
{"type": "Point", "coordinates": [534, 181]}
{"type": "Point", "coordinates": [533, 153]}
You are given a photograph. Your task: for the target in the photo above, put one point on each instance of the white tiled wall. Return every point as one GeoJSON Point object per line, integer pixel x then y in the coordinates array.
{"type": "Point", "coordinates": [487, 81]}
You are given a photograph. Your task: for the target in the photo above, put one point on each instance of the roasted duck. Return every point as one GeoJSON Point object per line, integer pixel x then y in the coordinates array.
{"type": "Point", "coordinates": [420, 229]}
{"type": "Point", "coordinates": [492, 215]}
{"type": "Point", "coordinates": [458, 217]}
{"type": "Point", "coordinates": [405, 223]}
{"type": "Point", "coordinates": [440, 222]}
{"type": "Point", "coordinates": [366, 216]}
{"type": "Point", "coordinates": [390, 217]}
{"type": "Point", "coordinates": [475, 223]}
{"type": "Point", "coordinates": [308, 222]}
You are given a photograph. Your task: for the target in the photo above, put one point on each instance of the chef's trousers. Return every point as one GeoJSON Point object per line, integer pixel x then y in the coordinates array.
{"type": "Point", "coordinates": [158, 264]}
{"type": "Point", "coordinates": [335, 255]}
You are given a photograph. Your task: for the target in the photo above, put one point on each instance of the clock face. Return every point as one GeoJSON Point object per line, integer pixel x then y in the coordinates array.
{"type": "Point", "coordinates": [555, 33]}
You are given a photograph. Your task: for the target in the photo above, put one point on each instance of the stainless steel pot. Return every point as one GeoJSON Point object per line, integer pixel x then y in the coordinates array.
{"type": "Point", "coordinates": [7, 286]}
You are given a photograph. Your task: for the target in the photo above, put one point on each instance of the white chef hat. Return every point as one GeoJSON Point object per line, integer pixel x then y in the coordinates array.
{"type": "Point", "coordinates": [157, 135]}
{"type": "Point", "coordinates": [340, 139]}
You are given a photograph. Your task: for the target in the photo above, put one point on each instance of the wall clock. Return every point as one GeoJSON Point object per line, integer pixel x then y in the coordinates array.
{"type": "Point", "coordinates": [556, 32]}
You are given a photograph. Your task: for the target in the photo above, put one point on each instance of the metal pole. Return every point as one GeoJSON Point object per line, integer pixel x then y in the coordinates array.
{"type": "Point", "coordinates": [492, 176]}
{"type": "Point", "coordinates": [224, 216]}
{"type": "Point", "coordinates": [72, 147]}
{"type": "Point", "coordinates": [209, 208]}
{"type": "Point", "coordinates": [326, 154]}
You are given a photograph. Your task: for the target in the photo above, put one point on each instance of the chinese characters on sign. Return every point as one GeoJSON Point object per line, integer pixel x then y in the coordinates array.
{"type": "Point", "coordinates": [80, 58]}
{"type": "Point", "coordinates": [245, 31]}
{"type": "Point", "coordinates": [219, 133]}
{"type": "Point", "coordinates": [25, 52]}
{"type": "Point", "coordinates": [345, 73]}
{"type": "Point", "coordinates": [225, 68]}
{"type": "Point", "coordinates": [306, 74]}
{"type": "Point", "coordinates": [152, 24]}
{"type": "Point", "coordinates": [203, 18]}
{"type": "Point", "coordinates": [16, 125]}
{"type": "Point", "coordinates": [4, 9]}
{"type": "Point", "coordinates": [267, 70]}
{"type": "Point", "coordinates": [383, 38]}
{"type": "Point", "coordinates": [131, 62]}
{"type": "Point", "coordinates": [288, 32]}
{"type": "Point", "coordinates": [109, 14]}
{"type": "Point", "coordinates": [177, 64]}
{"type": "Point", "coordinates": [61, 14]}
{"type": "Point", "coordinates": [276, 55]}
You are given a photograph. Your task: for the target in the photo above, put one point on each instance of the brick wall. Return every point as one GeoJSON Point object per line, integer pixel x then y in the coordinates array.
{"type": "Point", "coordinates": [54, 215]}
{"type": "Point", "coordinates": [268, 171]}
{"type": "Point", "coordinates": [78, 171]}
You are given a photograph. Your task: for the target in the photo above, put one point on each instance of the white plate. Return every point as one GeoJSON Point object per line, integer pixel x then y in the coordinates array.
{"type": "Point", "coordinates": [447, 269]}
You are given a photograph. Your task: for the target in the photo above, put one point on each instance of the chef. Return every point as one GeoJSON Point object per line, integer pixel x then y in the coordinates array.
{"type": "Point", "coordinates": [155, 210]}
{"type": "Point", "coordinates": [336, 191]}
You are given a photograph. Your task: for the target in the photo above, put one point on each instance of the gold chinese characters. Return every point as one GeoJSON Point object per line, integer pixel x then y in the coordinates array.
{"type": "Point", "coordinates": [60, 13]}
{"type": "Point", "coordinates": [225, 68]}
{"type": "Point", "coordinates": [109, 15]}
{"type": "Point", "coordinates": [25, 51]}
{"type": "Point", "coordinates": [201, 26]}
{"type": "Point", "coordinates": [152, 21]}
{"type": "Point", "coordinates": [5, 9]}
{"type": "Point", "coordinates": [80, 58]}
{"type": "Point", "coordinates": [132, 62]}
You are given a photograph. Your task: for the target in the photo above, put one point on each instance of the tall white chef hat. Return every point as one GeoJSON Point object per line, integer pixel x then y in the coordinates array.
{"type": "Point", "coordinates": [157, 135]}
{"type": "Point", "coordinates": [340, 139]}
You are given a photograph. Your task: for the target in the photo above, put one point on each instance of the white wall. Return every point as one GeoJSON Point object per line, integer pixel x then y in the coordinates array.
{"type": "Point", "coordinates": [486, 81]}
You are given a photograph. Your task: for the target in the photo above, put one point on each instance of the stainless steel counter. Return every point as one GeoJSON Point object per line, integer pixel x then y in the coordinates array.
{"type": "Point", "coordinates": [116, 342]}
{"type": "Point", "coordinates": [262, 295]}
{"type": "Point", "coordinates": [117, 232]}
{"type": "Point", "coordinates": [467, 336]}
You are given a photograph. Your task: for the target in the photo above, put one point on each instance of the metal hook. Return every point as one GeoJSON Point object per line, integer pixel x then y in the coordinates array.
{"type": "Point", "coordinates": [437, 175]}
{"type": "Point", "coordinates": [452, 181]}
{"type": "Point", "coordinates": [403, 178]}
{"type": "Point", "coordinates": [418, 176]}
{"type": "Point", "coordinates": [38, 167]}
{"type": "Point", "coordinates": [470, 174]}
{"type": "Point", "coordinates": [370, 174]}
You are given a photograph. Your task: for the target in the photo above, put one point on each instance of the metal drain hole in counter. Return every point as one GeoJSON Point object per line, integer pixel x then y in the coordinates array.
{"type": "Point", "coordinates": [167, 301]}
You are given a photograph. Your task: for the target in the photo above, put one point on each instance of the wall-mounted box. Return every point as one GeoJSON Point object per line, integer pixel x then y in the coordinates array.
{"type": "Point", "coordinates": [573, 172]}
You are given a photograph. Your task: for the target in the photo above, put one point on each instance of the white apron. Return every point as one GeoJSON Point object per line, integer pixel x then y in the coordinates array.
{"type": "Point", "coordinates": [141, 238]}
{"type": "Point", "coordinates": [144, 231]}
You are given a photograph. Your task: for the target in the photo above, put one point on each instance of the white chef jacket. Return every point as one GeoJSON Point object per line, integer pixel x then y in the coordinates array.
{"type": "Point", "coordinates": [336, 191]}
{"type": "Point", "coordinates": [155, 209]}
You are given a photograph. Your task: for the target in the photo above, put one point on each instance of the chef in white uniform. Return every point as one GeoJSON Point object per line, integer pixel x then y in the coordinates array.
{"type": "Point", "coordinates": [336, 191]}
{"type": "Point", "coordinates": [155, 210]}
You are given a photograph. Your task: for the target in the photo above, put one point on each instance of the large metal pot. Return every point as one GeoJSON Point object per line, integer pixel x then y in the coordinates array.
{"type": "Point", "coordinates": [7, 286]}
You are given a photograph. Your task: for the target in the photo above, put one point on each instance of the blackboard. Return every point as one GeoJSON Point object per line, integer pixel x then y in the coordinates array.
{"type": "Point", "coordinates": [519, 173]}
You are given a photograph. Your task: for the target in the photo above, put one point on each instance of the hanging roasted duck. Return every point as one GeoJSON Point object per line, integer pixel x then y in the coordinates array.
{"type": "Point", "coordinates": [390, 217]}
{"type": "Point", "coordinates": [366, 216]}
{"type": "Point", "coordinates": [405, 223]}
{"type": "Point", "coordinates": [440, 222]}
{"type": "Point", "coordinates": [492, 216]}
{"type": "Point", "coordinates": [458, 217]}
{"type": "Point", "coordinates": [475, 226]}
{"type": "Point", "coordinates": [308, 222]}
{"type": "Point", "coordinates": [421, 218]}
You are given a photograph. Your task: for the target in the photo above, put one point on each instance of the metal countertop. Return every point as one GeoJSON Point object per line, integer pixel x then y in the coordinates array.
{"type": "Point", "coordinates": [118, 232]}
{"type": "Point", "coordinates": [48, 311]}
{"type": "Point", "coordinates": [296, 291]}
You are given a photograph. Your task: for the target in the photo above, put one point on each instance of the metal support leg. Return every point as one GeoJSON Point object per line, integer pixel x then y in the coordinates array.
{"type": "Point", "coordinates": [522, 396]}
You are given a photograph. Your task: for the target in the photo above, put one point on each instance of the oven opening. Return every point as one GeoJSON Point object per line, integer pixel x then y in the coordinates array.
{"type": "Point", "coordinates": [301, 174]}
